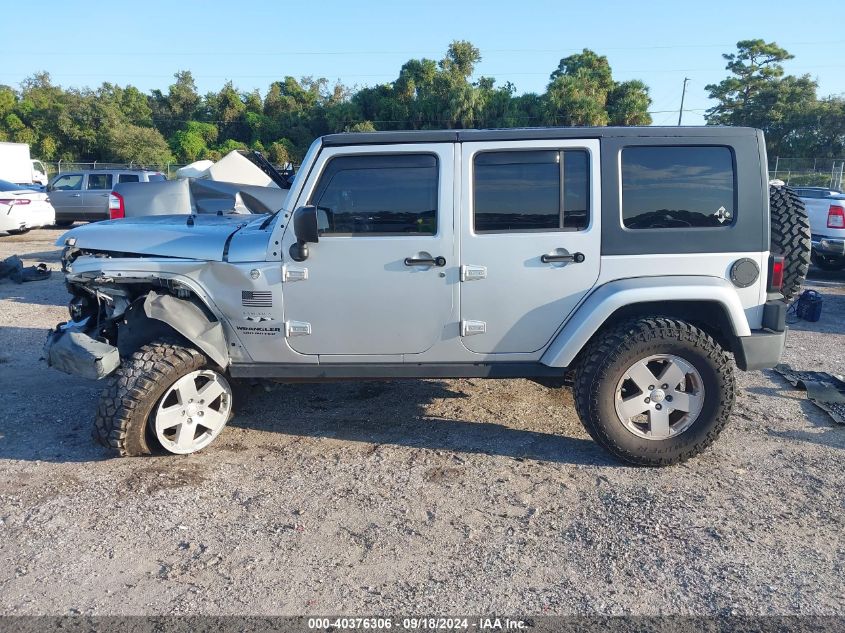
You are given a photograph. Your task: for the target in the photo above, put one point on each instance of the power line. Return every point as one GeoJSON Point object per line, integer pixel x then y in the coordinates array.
{"type": "Point", "coordinates": [125, 53]}
{"type": "Point", "coordinates": [394, 75]}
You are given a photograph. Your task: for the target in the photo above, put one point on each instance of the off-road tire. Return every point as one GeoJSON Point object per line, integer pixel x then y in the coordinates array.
{"type": "Point", "coordinates": [614, 351]}
{"type": "Point", "coordinates": [133, 392]}
{"type": "Point", "coordinates": [790, 237]}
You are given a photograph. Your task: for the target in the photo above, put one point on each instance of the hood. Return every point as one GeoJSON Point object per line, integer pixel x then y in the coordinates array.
{"type": "Point", "coordinates": [204, 238]}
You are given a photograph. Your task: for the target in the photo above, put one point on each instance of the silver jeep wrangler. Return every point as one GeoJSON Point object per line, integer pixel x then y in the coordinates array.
{"type": "Point", "coordinates": [634, 261]}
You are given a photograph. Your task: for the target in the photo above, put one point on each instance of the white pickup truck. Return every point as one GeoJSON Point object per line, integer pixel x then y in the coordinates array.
{"type": "Point", "coordinates": [826, 209]}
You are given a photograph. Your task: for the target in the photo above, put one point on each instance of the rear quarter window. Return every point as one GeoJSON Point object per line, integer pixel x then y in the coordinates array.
{"type": "Point", "coordinates": [678, 187]}
{"type": "Point", "coordinates": [156, 178]}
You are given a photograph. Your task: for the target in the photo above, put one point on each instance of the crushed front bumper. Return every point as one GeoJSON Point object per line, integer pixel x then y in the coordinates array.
{"type": "Point", "coordinates": [70, 350]}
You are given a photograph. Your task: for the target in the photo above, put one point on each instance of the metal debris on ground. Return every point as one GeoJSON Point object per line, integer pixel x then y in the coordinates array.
{"type": "Point", "coordinates": [13, 268]}
{"type": "Point", "coordinates": [825, 390]}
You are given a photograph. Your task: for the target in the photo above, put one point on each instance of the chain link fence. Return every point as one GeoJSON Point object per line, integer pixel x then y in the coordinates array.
{"type": "Point", "coordinates": [58, 167]}
{"type": "Point", "coordinates": [809, 172]}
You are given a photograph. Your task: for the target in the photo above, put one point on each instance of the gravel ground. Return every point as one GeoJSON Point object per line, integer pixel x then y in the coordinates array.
{"type": "Point", "coordinates": [458, 496]}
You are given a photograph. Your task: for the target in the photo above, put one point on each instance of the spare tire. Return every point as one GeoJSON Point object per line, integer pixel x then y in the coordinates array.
{"type": "Point", "coordinates": [790, 237]}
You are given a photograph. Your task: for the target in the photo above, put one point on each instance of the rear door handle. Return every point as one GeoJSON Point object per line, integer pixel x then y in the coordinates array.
{"type": "Point", "coordinates": [575, 258]}
{"type": "Point", "coordinates": [76, 195]}
{"type": "Point", "coordinates": [425, 261]}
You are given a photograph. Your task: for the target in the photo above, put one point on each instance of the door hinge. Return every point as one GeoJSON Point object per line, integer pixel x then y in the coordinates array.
{"type": "Point", "coordinates": [294, 273]}
{"type": "Point", "coordinates": [473, 273]}
{"type": "Point", "coordinates": [297, 328]}
{"type": "Point", "coordinates": [471, 328]}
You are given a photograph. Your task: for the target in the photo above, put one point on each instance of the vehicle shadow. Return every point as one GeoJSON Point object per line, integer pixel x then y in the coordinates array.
{"type": "Point", "coordinates": [393, 413]}
{"type": "Point", "coordinates": [61, 408]}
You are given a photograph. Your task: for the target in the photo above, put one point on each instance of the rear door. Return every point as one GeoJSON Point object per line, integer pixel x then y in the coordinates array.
{"type": "Point", "coordinates": [95, 200]}
{"type": "Point", "coordinates": [530, 240]}
{"type": "Point", "coordinates": [65, 193]}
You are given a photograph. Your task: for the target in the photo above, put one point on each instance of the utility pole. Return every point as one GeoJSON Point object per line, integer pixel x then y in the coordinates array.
{"type": "Point", "coordinates": [683, 94]}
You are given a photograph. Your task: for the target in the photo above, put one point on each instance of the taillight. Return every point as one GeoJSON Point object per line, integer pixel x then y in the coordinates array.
{"type": "Point", "coordinates": [116, 208]}
{"type": "Point", "coordinates": [775, 273]}
{"type": "Point", "coordinates": [13, 201]}
{"type": "Point", "coordinates": [836, 217]}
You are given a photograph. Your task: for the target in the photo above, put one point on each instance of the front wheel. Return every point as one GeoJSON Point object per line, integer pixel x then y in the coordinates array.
{"type": "Point", "coordinates": [655, 391]}
{"type": "Point", "coordinates": [164, 396]}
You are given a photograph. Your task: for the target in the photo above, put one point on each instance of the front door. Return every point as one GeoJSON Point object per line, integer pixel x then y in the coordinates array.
{"type": "Point", "coordinates": [530, 240]}
{"type": "Point", "coordinates": [376, 283]}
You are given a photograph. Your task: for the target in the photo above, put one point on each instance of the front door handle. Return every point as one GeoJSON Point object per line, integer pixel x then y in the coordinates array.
{"type": "Point", "coordinates": [76, 195]}
{"type": "Point", "coordinates": [425, 261]}
{"type": "Point", "coordinates": [575, 258]}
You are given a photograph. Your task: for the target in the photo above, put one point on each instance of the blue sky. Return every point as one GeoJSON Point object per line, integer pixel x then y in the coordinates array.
{"type": "Point", "coordinates": [253, 42]}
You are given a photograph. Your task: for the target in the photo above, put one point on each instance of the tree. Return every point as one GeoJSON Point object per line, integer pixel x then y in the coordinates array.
{"type": "Point", "coordinates": [141, 145]}
{"type": "Point", "coordinates": [758, 94]}
{"type": "Point", "coordinates": [754, 67]}
{"type": "Point", "coordinates": [582, 91]}
{"type": "Point", "coordinates": [628, 103]}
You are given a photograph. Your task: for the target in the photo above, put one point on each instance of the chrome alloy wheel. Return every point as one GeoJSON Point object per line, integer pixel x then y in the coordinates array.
{"type": "Point", "coordinates": [659, 397]}
{"type": "Point", "coordinates": [193, 411]}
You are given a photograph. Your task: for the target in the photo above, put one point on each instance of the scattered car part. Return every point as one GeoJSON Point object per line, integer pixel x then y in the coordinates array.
{"type": "Point", "coordinates": [13, 268]}
{"type": "Point", "coordinates": [825, 390]}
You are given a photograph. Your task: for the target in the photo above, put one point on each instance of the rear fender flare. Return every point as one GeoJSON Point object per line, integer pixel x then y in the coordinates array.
{"type": "Point", "coordinates": [602, 303]}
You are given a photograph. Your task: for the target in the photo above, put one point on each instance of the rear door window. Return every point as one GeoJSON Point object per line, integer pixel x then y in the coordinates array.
{"type": "Point", "coordinates": [537, 190]}
{"type": "Point", "coordinates": [99, 181]}
{"type": "Point", "coordinates": [678, 187]}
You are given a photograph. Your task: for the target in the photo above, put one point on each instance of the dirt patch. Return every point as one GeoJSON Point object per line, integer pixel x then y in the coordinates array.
{"type": "Point", "coordinates": [165, 476]}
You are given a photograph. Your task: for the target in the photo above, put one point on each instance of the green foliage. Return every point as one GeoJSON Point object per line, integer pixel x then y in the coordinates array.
{"type": "Point", "coordinates": [119, 123]}
{"type": "Point", "coordinates": [582, 92]}
{"type": "Point", "coordinates": [758, 94]}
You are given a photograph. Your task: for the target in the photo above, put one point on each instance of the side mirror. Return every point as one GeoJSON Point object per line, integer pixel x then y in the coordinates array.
{"type": "Point", "coordinates": [305, 229]}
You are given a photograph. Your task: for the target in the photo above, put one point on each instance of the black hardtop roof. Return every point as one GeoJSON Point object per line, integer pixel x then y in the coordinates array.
{"type": "Point", "coordinates": [535, 133]}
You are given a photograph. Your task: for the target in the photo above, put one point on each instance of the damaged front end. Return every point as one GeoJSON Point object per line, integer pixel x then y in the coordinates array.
{"type": "Point", "coordinates": [86, 345]}
{"type": "Point", "coordinates": [112, 315]}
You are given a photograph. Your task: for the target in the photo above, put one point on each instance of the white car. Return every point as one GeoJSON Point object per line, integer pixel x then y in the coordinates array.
{"type": "Point", "coordinates": [22, 208]}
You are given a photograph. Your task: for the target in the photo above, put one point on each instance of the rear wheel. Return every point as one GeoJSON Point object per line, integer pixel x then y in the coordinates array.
{"type": "Point", "coordinates": [655, 391]}
{"type": "Point", "coordinates": [64, 223]}
{"type": "Point", "coordinates": [18, 231]}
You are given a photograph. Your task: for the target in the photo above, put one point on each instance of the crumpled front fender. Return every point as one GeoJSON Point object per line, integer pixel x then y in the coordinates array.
{"type": "Point", "coordinates": [189, 320]}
